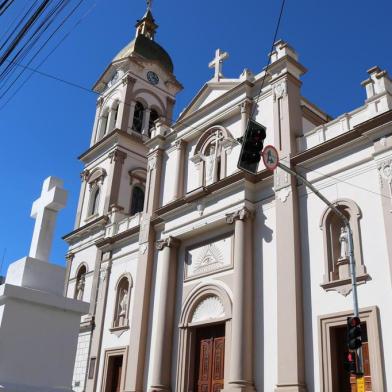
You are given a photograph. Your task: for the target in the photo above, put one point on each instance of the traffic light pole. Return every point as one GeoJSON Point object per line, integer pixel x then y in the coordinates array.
{"type": "Point", "coordinates": [350, 247]}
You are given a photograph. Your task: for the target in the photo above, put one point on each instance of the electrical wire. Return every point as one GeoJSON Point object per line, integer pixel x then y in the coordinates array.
{"type": "Point", "coordinates": [175, 123]}
{"type": "Point", "coordinates": [35, 70]}
{"type": "Point", "coordinates": [5, 5]}
{"type": "Point", "coordinates": [25, 50]}
{"type": "Point", "coordinates": [309, 170]}
{"type": "Point", "coordinates": [42, 47]}
{"type": "Point", "coordinates": [24, 30]}
{"type": "Point", "coordinates": [269, 57]}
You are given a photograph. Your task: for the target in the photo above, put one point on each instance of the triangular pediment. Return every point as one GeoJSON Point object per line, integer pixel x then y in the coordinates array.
{"type": "Point", "coordinates": [208, 93]}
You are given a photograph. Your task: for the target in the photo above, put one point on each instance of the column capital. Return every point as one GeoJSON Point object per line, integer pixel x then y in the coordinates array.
{"type": "Point", "coordinates": [246, 106]}
{"type": "Point", "coordinates": [153, 158]}
{"type": "Point", "coordinates": [180, 144]}
{"type": "Point", "coordinates": [241, 214]}
{"type": "Point", "coordinates": [169, 242]}
{"type": "Point", "coordinates": [69, 257]}
{"type": "Point", "coordinates": [100, 101]}
{"type": "Point", "coordinates": [127, 79]}
{"type": "Point", "coordinates": [84, 175]}
{"type": "Point", "coordinates": [117, 156]}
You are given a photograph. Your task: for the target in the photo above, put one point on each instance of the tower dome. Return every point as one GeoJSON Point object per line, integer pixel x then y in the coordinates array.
{"type": "Point", "coordinates": [143, 44]}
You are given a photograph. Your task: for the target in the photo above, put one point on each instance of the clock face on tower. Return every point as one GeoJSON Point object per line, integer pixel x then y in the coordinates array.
{"type": "Point", "coordinates": [152, 77]}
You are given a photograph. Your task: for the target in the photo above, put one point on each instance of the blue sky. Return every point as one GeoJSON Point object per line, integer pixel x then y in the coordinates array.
{"type": "Point", "coordinates": [48, 124]}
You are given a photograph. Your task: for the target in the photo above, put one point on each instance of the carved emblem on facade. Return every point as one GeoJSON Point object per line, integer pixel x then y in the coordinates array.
{"type": "Point", "coordinates": [209, 308]}
{"type": "Point", "coordinates": [152, 163]}
{"type": "Point", "coordinates": [209, 259]}
{"type": "Point", "coordinates": [283, 194]}
{"type": "Point", "coordinates": [280, 90]}
{"type": "Point", "coordinates": [385, 175]}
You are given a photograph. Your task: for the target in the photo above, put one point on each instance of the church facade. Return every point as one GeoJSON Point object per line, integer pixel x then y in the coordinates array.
{"type": "Point", "coordinates": [201, 277]}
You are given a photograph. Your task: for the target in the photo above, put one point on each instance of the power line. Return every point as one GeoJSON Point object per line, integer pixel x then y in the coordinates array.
{"type": "Point", "coordinates": [42, 46]}
{"type": "Point", "coordinates": [4, 6]}
{"type": "Point", "coordinates": [35, 70]}
{"type": "Point", "coordinates": [172, 120]}
{"type": "Point", "coordinates": [269, 57]}
{"type": "Point", "coordinates": [25, 50]}
{"type": "Point", "coordinates": [341, 181]}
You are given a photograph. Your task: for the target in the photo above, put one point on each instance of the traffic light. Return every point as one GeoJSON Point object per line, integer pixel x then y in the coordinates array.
{"type": "Point", "coordinates": [350, 362]}
{"type": "Point", "coordinates": [354, 340]}
{"type": "Point", "coordinates": [252, 146]}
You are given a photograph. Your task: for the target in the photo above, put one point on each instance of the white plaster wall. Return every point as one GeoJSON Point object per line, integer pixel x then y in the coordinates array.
{"type": "Point", "coordinates": [317, 302]}
{"type": "Point", "coordinates": [35, 328]}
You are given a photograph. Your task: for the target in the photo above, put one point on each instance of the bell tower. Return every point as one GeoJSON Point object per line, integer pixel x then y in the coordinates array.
{"type": "Point", "coordinates": [137, 92]}
{"type": "Point", "coordinates": [137, 89]}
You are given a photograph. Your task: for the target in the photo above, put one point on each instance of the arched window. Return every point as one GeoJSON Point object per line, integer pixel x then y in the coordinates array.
{"type": "Point", "coordinates": [336, 257]}
{"type": "Point", "coordinates": [137, 124]}
{"type": "Point", "coordinates": [80, 283]}
{"type": "Point", "coordinates": [121, 313]}
{"type": "Point", "coordinates": [211, 152]}
{"type": "Point", "coordinates": [153, 117]}
{"type": "Point", "coordinates": [137, 200]}
{"type": "Point", "coordinates": [94, 203]}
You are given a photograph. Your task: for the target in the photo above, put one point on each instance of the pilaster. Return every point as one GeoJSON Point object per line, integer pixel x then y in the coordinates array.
{"type": "Point", "coordinates": [286, 72]}
{"type": "Point", "coordinates": [132, 105]}
{"type": "Point", "coordinates": [97, 120]}
{"type": "Point", "coordinates": [117, 158]}
{"type": "Point", "coordinates": [124, 109]}
{"type": "Point", "coordinates": [102, 284]}
{"type": "Point", "coordinates": [154, 170]}
{"type": "Point", "coordinates": [84, 177]}
{"type": "Point", "coordinates": [241, 355]}
{"type": "Point", "coordinates": [68, 258]}
{"type": "Point", "coordinates": [146, 121]}
{"type": "Point", "coordinates": [178, 182]}
{"type": "Point", "coordinates": [291, 363]}
{"type": "Point", "coordinates": [134, 379]}
{"type": "Point", "coordinates": [383, 157]}
{"type": "Point", "coordinates": [167, 266]}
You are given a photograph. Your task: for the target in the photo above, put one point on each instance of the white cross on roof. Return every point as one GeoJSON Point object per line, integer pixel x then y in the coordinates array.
{"type": "Point", "coordinates": [217, 63]}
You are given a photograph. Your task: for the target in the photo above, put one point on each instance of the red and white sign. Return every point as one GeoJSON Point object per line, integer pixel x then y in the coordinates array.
{"type": "Point", "coordinates": [270, 157]}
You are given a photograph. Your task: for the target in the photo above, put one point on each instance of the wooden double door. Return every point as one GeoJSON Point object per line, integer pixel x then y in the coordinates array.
{"type": "Point", "coordinates": [210, 358]}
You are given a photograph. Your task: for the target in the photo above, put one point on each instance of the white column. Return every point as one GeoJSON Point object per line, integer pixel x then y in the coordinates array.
{"type": "Point", "coordinates": [132, 105]}
{"type": "Point", "coordinates": [146, 121]}
{"type": "Point", "coordinates": [110, 124]}
{"type": "Point", "coordinates": [161, 367]}
{"type": "Point", "coordinates": [179, 174]}
{"type": "Point", "coordinates": [241, 356]}
{"type": "Point", "coordinates": [84, 176]}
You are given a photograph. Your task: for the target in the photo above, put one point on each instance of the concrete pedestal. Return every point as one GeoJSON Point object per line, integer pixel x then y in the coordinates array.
{"type": "Point", "coordinates": [38, 328]}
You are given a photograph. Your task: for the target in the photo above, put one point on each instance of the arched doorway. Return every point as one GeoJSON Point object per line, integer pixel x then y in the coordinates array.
{"type": "Point", "coordinates": [205, 333]}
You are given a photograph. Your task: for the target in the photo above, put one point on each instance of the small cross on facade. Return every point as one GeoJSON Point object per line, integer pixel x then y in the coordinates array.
{"type": "Point", "coordinates": [53, 198]}
{"type": "Point", "coordinates": [217, 63]}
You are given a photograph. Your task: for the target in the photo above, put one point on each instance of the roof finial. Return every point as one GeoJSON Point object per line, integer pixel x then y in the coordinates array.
{"type": "Point", "coordinates": [147, 26]}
